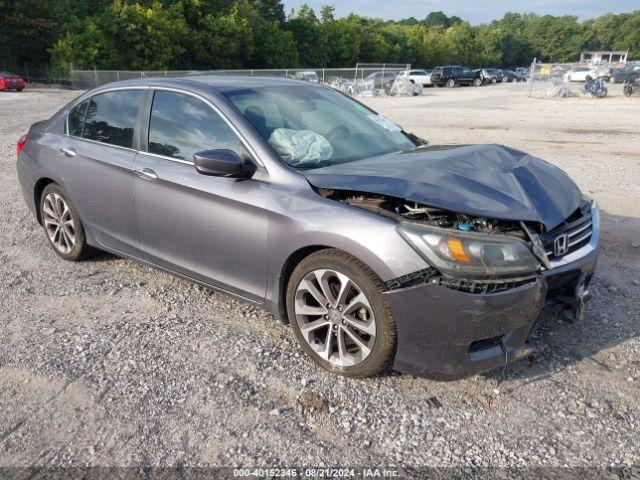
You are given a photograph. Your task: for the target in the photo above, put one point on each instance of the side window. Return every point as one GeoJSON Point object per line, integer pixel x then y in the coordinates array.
{"type": "Point", "coordinates": [76, 118]}
{"type": "Point", "coordinates": [111, 117]}
{"type": "Point", "coordinates": [457, 71]}
{"type": "Point", "coordinates": [181, 125]}
{"type": "Point", "coordinates": [466, 71]}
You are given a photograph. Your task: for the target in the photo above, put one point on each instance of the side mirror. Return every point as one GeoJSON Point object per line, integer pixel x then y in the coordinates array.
{"type": "Point", "coordinates": [222, 163]}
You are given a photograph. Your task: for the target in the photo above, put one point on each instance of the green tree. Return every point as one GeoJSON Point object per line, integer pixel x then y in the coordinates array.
{"type": "Point", "coordinates": [345, 38]}
{"type": "Point", "coordinates": [223, 42]}
{"type": "Point", "coordinates": [127, 36]}
{"type": "Point", "coordinates": [310, 37]}
{"type": "Point", "coordinates": [270, 10]}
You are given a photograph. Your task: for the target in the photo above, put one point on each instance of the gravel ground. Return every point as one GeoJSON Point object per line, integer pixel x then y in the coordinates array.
{"type": "Point", "coordinates": [110, 363]}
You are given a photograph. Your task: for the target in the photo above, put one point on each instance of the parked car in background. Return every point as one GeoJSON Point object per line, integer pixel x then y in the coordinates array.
{"type": "Point", "coordinates": [419, 77]}
{"type": "Point", "coordinates": [622, 75]}
{"type": "Point", "coordinates": [524, 71]}
{"type": "Point", "coordinates": [376, 248]}
{"type": "Point", "coordinates": [511, 76]}
{"type": "Point", "coordinates": [307, 76]}
{"type": "Point", "coordinates": [382, 80]}
{"type": "Point", "coordinates": [11, 81]}
{"type": "Point", "coordinates": [489, 75]}
{"type": "Point", "coordinates": [453, 75]}
{"type": "Point", "coordinates": [582, 74]}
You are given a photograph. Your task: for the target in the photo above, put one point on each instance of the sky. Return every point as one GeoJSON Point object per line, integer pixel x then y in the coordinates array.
{"type": "Point", "coordinates": [475, 12]}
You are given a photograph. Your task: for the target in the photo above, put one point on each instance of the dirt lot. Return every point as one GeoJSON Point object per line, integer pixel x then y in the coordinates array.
{"type": "Point", "coordinates": [112, 363]}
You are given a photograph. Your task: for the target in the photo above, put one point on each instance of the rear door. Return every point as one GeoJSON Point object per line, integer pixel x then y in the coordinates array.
{"type": "Point", "coordinates": [96, 157]}
{"type": "Point", "coordinates": [213, 229]}
{"type": "Point", "coordinates": [466, 75]}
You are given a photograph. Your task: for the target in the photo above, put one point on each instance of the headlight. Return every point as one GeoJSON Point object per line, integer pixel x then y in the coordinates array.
{"type": "Point", "coordinates": [460, 253]}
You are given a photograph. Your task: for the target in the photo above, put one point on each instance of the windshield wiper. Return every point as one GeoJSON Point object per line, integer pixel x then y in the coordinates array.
{"type": "Point", "coordinates": [416, 139]}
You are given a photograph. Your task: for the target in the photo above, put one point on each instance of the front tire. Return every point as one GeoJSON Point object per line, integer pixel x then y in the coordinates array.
{"type": "Point", "coordinates": [62, 225]}
{"type": "Point", "coordinates": [339, 316]}
{"type": "Point", "coordinates": [451, 83]}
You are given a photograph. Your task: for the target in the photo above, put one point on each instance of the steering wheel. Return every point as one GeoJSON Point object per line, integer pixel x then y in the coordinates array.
{"type": "Point", "coordinates": [338, 133]}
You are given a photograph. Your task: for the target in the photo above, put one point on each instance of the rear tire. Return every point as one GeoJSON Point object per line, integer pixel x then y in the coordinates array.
{"type": "Point", "coordinates": [62, 225]}
{"type": "Point", "coordinates": [339, 316]}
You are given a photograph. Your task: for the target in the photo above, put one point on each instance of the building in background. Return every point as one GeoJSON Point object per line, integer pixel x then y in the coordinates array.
{"type": "Point", "coordinates": [617, 59]}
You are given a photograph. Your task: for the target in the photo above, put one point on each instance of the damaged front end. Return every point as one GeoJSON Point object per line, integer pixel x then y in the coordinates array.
{"type": "Point", "coordinates": [464, 251]}
{"type": "Point", "coordinates": [474, 306]}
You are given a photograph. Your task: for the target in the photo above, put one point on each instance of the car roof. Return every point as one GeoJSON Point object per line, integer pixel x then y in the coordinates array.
{"type": "Point", "coordinates": [221, 83]}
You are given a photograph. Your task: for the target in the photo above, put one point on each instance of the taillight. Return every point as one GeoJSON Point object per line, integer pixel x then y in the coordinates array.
{"type": "Point", "coordinates": [21, 141]}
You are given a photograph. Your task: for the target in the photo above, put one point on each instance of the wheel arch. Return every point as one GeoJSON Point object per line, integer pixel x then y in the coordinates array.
{"type": "Point", "coordinates": [279, 297]}
{"type": "Point", "coordinates": [280, 285]}
{"type": "Point", "coordinates": [38, 188]}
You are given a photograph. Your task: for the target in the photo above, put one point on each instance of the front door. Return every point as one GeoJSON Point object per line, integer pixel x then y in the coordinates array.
{"type": "Point", "coordinates": [213, 229]}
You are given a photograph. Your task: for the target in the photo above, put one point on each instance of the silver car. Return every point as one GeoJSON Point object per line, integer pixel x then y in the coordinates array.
{"type": "Point", "coordinates": [378, 249]}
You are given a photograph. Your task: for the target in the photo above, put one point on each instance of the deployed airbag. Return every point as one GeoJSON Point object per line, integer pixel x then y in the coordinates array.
{"type": "Point", "coordinates": [300, 146]}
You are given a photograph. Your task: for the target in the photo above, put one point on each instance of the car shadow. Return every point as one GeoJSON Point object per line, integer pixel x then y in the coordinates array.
{"type": "Point", "coordinates": [102, 256]}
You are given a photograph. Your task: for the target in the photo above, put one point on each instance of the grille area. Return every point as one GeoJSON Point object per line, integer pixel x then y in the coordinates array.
{"type": "Point", "coordinates": [577, 229]}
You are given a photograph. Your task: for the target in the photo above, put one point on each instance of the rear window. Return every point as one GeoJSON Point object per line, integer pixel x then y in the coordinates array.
{"type": "Point", "coordinates": [111, 117]}
{"type": "Point", "coordinates": [6, 75]}
{"type": "Point", "coordinates": [76, 118]}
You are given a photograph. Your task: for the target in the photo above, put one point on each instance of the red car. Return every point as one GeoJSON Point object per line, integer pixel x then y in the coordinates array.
{"type": "Point", "coordinates": [11, 81]}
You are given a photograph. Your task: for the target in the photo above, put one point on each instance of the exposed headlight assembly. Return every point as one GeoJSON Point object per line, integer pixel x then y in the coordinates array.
{"type": "Point", "coordinates": [460, 253]}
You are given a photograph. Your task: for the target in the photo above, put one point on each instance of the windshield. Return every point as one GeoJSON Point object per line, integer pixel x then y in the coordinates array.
{"type": "Point", "coordinates": [311, 127]}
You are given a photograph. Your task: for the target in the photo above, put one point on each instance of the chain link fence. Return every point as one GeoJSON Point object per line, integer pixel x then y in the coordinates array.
{"type": "Point", "coordinates": [363, 80]}
{"type": "Point", "coordinates": [38, 74]}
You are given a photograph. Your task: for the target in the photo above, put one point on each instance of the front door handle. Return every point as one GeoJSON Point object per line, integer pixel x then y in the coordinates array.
{"type": "Point", "coordinates": [68, 152]}
{"type": "Point", "coordinates": [147, 174]}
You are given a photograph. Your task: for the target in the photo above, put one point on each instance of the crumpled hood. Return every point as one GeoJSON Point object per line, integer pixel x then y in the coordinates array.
{"type": "Point", "coordinates": [482, 180]}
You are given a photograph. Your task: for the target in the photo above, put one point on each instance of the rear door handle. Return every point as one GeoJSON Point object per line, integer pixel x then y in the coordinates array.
{"type": "Point", "coordinates": [68, 152]}
{"type": "Point", "coordinates": [147, 174]}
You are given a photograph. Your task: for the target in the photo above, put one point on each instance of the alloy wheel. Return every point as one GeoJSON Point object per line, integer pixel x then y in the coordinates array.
{"type": "Point", "coordinates": [335, 317]}
{"type": "Point", "coordinates": [59, 223]}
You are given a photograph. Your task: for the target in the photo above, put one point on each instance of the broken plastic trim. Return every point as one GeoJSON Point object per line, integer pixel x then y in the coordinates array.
{"type": "Point", "coordinates": [475, 287]}
{"type": "Point", "coordinates": [415, 278]}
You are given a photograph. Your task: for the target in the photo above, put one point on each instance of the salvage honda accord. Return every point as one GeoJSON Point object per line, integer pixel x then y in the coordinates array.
{"type": "Point", "coordinates": [378, 249]}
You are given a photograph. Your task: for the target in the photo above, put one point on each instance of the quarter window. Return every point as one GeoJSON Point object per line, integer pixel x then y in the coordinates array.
{"type": "Point", "coordinates": [111, 117]}
{"type": "Point", "coordinates": [181, 125]}
{"type": "Point", "coordinates": [76, 118]}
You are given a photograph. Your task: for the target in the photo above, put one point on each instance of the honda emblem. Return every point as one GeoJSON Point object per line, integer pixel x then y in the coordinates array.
{"type": "Point", "coordinates": [561, 245]}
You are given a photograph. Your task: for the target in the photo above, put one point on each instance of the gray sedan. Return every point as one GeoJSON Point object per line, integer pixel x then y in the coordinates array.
{"type": "Point", "coordinates": [379, 250]}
